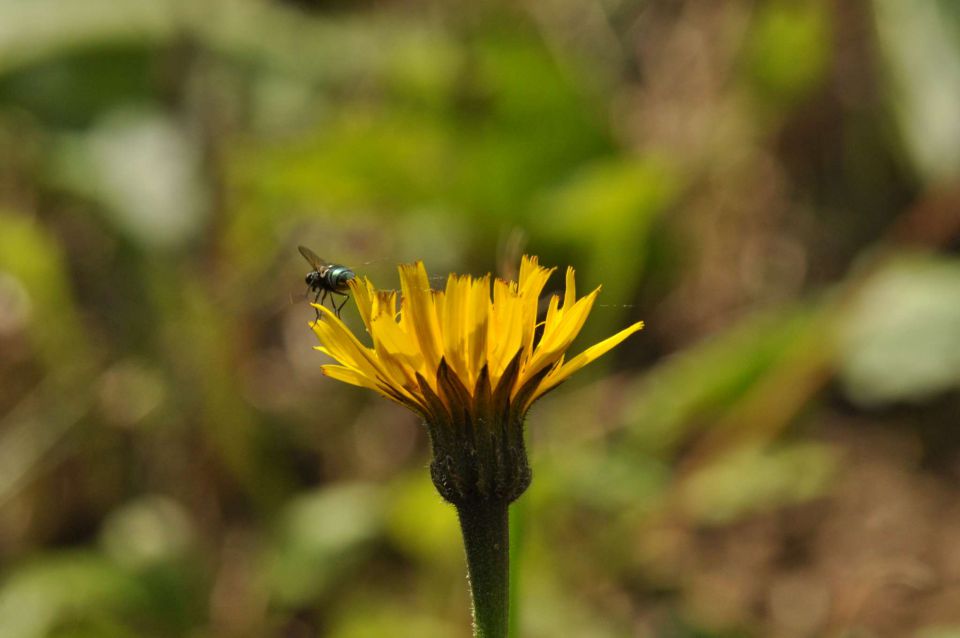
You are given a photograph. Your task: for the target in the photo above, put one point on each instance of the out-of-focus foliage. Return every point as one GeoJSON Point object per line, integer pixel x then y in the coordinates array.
{"type": "Point", "coordinates": [902, 342]}
{"type": "Point", "coordinates": [772, 186]}
{"type": "Point", "coordinates": [925, 95]}
{"type": "Point", "coordinates": [778, 32]}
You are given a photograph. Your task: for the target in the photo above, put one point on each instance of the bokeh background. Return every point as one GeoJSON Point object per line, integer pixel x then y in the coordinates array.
{"type": "Point", "coordinates": [773, 185]}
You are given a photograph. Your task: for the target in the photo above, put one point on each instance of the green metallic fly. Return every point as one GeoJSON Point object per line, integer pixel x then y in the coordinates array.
{"type": "Point", "coordinates": [327, 279]}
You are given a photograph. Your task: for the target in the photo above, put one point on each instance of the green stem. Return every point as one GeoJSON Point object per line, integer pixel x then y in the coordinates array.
{"type": "Point", "coordinates": [486, 538]}
{"type": "Point", "coordinates": [518, 519]}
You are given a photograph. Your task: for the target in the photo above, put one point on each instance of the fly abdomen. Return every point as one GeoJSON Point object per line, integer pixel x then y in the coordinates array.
{"type": "Point", "coordinates": [337, 278]}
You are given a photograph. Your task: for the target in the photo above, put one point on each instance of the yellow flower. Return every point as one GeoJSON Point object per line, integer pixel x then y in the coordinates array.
{"type": "Point", "coordinates": [462, 327]}
{"type": "Point", "coordinates": [470, 364]}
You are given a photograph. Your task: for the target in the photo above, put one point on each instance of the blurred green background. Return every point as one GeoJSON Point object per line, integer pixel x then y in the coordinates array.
{"type": "Point", "coordinates": [774, 186]}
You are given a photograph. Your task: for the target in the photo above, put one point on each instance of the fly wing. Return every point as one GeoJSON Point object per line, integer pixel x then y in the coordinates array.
{"type": "Point", "coordinates": [312, 258]}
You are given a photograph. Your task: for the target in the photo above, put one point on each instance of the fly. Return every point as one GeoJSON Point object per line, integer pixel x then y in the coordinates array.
{"type": "Point", "coordinates": [326, 280]}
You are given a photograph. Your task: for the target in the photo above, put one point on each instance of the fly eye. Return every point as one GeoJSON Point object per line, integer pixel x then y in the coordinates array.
{"type": "Point", "coordinates": [309, 278]}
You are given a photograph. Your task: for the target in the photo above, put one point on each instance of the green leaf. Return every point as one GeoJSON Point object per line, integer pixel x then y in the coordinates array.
{"type": "Point", "coordinates": [704, 380]}
{"type": "Point", "coordinates": [921, 41]}
{"type": "Point", "coordinates": [320, 535]}
{"type": "Point", "coordinates": [61, 588]}
{"type": "Point", "coordinates": [788, 50]}
{"type": "Point", "coordinates": [753, 478]}
{"type": "Point", "coordinates": [901, 341]}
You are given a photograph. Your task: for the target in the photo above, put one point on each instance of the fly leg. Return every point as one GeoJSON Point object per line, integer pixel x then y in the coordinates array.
{"type": "Point", "coordinates": [343, 303]}
{"type": "Point", "coordinates": [319, 299]}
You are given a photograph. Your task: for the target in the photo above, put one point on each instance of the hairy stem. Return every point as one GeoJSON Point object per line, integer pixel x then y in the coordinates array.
{"type": "Point", "coordinates": [486, 539]}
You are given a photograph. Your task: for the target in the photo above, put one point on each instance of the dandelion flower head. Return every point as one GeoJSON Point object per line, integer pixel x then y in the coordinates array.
{"type": "Point", "coordinates": [442, 351]}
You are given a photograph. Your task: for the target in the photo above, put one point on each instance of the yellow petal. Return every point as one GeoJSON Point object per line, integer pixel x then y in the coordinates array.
{"type": "Point", "coordinates": [475, 336]}
{"type": "Point", "coordinates": [453, 318]}
{"type": "Point", "coordinates": [589, 355]}
{"type": "Point", "coordinates": [385, 304]}
{"type": "Point", "coordinates": [532, 280]}
{"type": "Point", "coordinates": [555, 342]}
{"type": "Point", "coordinates": [419, 311]}
{"type": "Point", "coordinates": [351, 376]}
{"type": "Point", "coordinates": [528, 264]}
{"type": "Point", "coordinates": [553, 313]}
{"type": "Point", "coordinates": [570, 291]}
{"type": "Point", "coordinates": [399, 353]}
{"type": "Point", "coordinates": [562, 332]}
{"type": "Point", "coordinates": [322, 349]}
{"type": "Point", "coordinates": [504, 328]}
{"type": "Point", "coordinates": [363, 295]}
{"type": "Point", "coordinates": [343, 346]}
